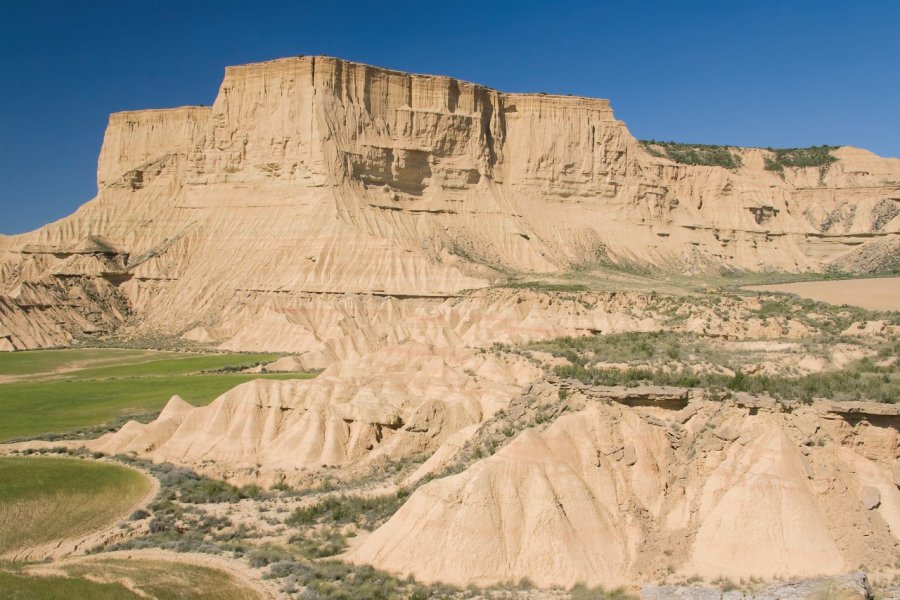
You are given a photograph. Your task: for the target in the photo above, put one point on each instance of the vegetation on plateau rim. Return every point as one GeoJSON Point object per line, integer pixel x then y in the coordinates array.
{"type": "Point", "coordinates": [47, 499]}
{"type": "Point", "coordinates": [708, 155]}
{"type": "Point", "coordinates": [725, 156]}
{"type": "Point", "coordinates": [85, 392]}
{"type": "Point", "coordinates": [814, 156]}
{"type": "Point", "coordinates": [647, 354]}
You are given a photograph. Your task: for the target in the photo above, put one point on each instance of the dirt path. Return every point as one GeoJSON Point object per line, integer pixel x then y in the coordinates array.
{"type": "Point", "coordinates": [873, 294]}
{"type": "Point", "coordinates": [76, 365]}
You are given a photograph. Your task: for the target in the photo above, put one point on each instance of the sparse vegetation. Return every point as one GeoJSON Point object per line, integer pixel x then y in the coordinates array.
{"type": "Point", "coordinates": [333, 580]}
{"type": "Point", "coordinates": [366, 511]}
{"type": "Point", "coordinates": [814, 156]}
{"type": "Point", "coordinates": [582, 592]}
{"type": "Point", "coordinates": [860, 382]}
{"type": "Point", "coordinates": [695, 154]}
{"type": "Point", "coordinates": [184, 485]}
{"type": "Point", "coordinates": [319, 543]}
{"type": "Point", "coordinates": [646, 357]}
{"type": "Point", "coordinates": [546, 286]}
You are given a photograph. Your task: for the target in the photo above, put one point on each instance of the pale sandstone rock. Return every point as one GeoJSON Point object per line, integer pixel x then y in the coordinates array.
{"type": "Point", "coordinates": [398, 402]}
{"type": "Point", "coordinates": [870, 497]}
{"type": "Point", "coordinates": [313, 175]}
{"type": "Point", "coordinates": [562, 506]}
{"type": "Point", "coordinates": [285, 364]}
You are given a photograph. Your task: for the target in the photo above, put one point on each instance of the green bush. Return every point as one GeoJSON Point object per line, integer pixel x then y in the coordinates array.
{"type": "Point", "coordinates": [319, 544]}
{"type": "Point", "coordinates": [333, 580]}
{"type": "Point", "coordinates": [340, 509]}
{"type": "Point", "coordinates": [814, 156]}
{"type": "Point", "coordinates": [187, 486]}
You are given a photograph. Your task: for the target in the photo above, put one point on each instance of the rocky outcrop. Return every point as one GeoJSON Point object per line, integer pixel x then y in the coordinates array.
{"type": "Point", "coordinates": [313, 175]}
{"type": "Point", "coordinates": [399, 402]}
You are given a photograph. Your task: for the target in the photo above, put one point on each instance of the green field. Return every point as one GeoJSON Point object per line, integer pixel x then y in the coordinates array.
{"type": "Point", "coordinates": [50, 362]}
{"type": "Point", "coordinates": [48, 499]}
{"type": "Point", "coordinates": [24, 587]}
{"type": "Point", "coordinates": [56, 391]}
{"type": "Point", "coordinates": [154, 578]}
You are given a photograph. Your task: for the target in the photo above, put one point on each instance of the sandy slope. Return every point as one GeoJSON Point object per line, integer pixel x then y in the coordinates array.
{"type": "Point", "coordinates": [613, 495]}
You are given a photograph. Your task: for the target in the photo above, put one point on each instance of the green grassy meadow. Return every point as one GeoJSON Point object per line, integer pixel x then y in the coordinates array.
{"type": "Point", "coordinates": [57, 391]}
{"type": "Point", "coordinates": [48, 499]}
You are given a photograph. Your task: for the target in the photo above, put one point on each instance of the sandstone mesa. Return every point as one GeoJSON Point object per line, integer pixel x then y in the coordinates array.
{"type": "Point", "coordinates": [360, 218]}
{"type": "Point", "coordinates": [312, 177]}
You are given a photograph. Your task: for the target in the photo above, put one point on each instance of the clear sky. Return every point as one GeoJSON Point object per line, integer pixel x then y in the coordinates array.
{"type": "Point", "coordinates": [751, 72]}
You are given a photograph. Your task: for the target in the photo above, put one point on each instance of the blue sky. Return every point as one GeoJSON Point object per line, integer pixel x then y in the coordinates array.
{"type": "Point", "coordinates": [755, 73]}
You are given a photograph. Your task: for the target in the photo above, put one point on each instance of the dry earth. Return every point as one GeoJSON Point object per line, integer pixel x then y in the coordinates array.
{"type": "Point", "coordinates": [874, 294]}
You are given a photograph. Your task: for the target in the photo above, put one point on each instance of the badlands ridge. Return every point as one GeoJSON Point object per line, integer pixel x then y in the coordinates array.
{"type": "Point", "coordinates": [361, 219]}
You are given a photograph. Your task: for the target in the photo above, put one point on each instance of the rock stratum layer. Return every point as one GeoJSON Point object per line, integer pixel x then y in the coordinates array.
{"type": "Point", "coordinates": [314, 175]}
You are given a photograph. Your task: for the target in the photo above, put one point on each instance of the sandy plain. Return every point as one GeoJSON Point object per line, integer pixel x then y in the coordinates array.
{"type": "Point", "coordinates": [873, 294]}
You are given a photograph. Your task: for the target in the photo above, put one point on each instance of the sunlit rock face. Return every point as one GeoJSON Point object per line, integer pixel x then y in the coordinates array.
{"type": "Point", "coordinates": [314, 175]}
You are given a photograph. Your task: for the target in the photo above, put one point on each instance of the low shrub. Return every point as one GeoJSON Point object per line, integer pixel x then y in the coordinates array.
{"type": "Point", "coordinates": [363, 510]}
{"type": "Point", "coordinates": [695, 154]}
{"type": "Point", "coordinates": [814, 156]}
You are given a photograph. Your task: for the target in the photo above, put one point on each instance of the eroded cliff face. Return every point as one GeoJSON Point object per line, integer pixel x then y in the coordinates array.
{"type": "Point", "coordinates": [612, 494]}
{"type": "Point", "coordinates": [313, 175]}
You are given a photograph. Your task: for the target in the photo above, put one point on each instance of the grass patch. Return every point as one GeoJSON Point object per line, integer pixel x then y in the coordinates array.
{"type": "Point", "coordinates": [31, 587]}
{"type": "Point", "coordinates": [154, 578]}
{"type": "Point", "coordinates": [84, 364]}
{"type": "Point", "coordinates": [48, 499]}
{"type": "Point", "coordinates": [168, 579]}
{"type": "Point", "coordinates": [694, 154]}
{"type": "Point", "coordinates": [38, 362]}
{"type": "Point", "coordinates": [94, 395]}
{"type": "Point", "coordinates": [545, 286]}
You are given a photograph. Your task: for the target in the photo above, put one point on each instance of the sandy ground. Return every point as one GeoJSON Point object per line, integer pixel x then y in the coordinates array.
{"type": "Point", "coordinates": [874, 294]}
